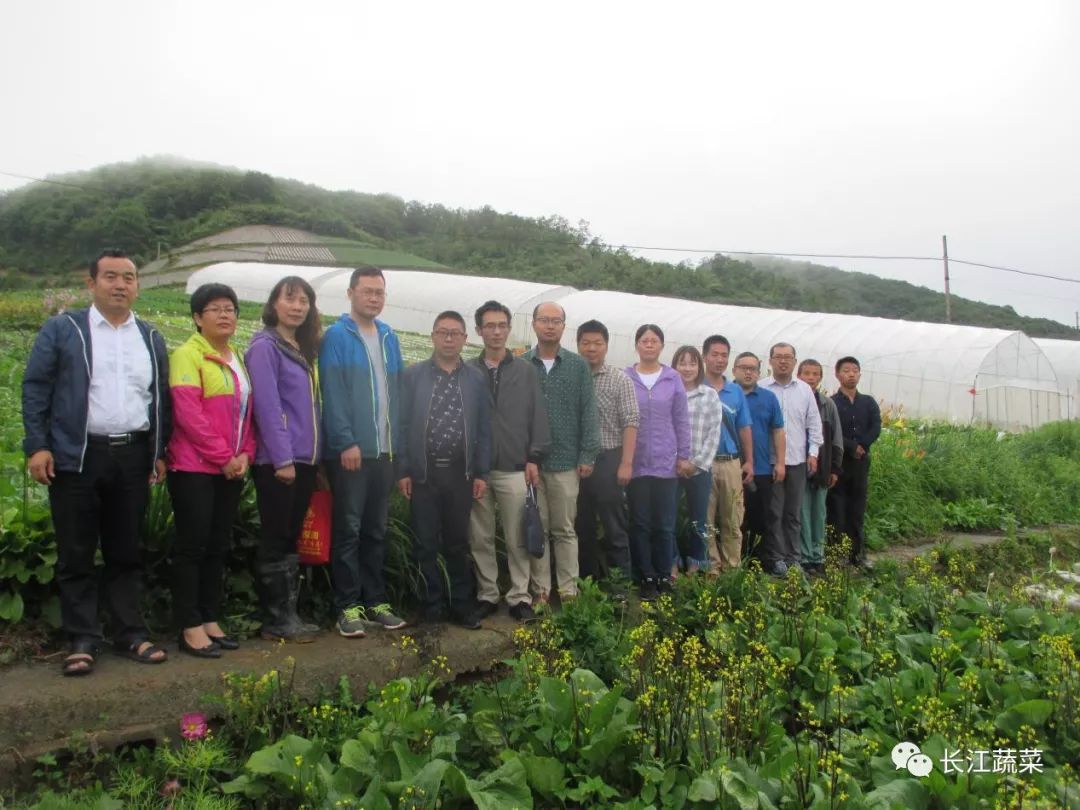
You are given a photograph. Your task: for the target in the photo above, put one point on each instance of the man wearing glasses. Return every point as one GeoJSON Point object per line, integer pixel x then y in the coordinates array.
{"type": "Point", "coordinates": [803, 438]}
{"type": "Point", "coordinates": [360, 365]}
{"type": "Point", "coordinates": [575, 441]}
{"type": "Point", "coordinates": [520, 439]}
{"type": "Point", "coordinates": [442, 466]}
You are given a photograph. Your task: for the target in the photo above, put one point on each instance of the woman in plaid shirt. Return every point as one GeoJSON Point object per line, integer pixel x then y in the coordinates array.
{"type": "Point", "coordinates": [706, 416]}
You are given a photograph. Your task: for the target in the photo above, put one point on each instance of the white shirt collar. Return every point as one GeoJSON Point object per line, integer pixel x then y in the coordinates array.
{"type": "Point", "coordinates": [97, 319]}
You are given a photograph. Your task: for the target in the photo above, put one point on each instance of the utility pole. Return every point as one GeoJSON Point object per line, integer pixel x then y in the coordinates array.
{"type": "Point", "coordinates": [948, 297]}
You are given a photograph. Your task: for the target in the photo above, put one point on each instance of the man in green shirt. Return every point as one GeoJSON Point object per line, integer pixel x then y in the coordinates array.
{"type": "Point", "coordinates": [575, 440]}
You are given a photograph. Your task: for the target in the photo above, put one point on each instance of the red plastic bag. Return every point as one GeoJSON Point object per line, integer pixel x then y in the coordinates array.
{"type": "Point", "coordinates": [313, 544]}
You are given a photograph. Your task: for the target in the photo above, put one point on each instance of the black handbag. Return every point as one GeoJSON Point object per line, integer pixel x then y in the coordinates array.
{"type": "Point", "coordinates": [531, 525]}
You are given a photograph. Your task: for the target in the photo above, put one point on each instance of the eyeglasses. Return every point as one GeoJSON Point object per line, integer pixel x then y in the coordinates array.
{"type": "Point", "coordinates": [444, 334]}
{"type": "Point", "coordinates": [367, 292]}
{"type": "Point", "coordinates": [550, 321]}
{"type": "Point", "coordinates": [742, 367]}
{"type": "Point", "coordinates": [789, 358]}
{"type": "Point", "coordinates": [495, 327]}
{"type": "Point", "coordinates": [228, 312]}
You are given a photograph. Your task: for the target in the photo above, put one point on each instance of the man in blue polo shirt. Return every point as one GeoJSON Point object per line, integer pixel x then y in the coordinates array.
{"type": "Point", "coordinates": [734, 463]}
{"type": "Point", "coordinates": [769, 445]}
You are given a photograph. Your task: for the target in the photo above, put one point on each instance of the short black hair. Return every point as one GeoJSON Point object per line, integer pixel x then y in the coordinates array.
{"type": "Point", "coordinates": [108, 253]}
{"type": "Point", "coordinates": [537, 308]}
{"type": "Point", "coordinates": [491, 306]}
{"type": "Point", "coordinates": [809, 361]}
{"type": "Point", "coordinates": [848, 359]}
{"type": "Point", "coordinates": [593, 327]}
{"type": "Point", "coordinates": [202, 297]}
{"type": "Point", "coordinates": [744, 355]}
{"type": "Point", "coordinates": [782, 345]}
{"type": "Point", "coordinates": [365, 271]}
{"type": "Point", "coordinates": [712, 340]}
{"type": "Point", "coordinates": [648, 327]}
{"type": "Point", "coordinates": [450, 315]}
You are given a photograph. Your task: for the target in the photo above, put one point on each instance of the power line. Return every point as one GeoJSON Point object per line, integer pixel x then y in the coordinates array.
{"type": "Point", "coordinates": [714, 251]}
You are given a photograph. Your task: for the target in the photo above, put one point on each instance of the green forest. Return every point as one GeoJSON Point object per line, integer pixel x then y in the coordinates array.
{"type": "Point", "coordinates": [48, 230]}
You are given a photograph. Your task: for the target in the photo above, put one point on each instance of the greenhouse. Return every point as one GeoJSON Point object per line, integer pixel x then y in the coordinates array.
{"type": "Point", "coordinates": [1064, 356]}
{"type": "Point", "coordinates": [961, 374]}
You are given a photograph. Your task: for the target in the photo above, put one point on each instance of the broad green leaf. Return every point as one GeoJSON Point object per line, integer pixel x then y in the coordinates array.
{"type": "Point", "coordinates": [1032, 713]}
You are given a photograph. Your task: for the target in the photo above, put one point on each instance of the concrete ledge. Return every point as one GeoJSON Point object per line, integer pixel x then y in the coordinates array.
{"type": "Point", "coordinates": [125, 701]}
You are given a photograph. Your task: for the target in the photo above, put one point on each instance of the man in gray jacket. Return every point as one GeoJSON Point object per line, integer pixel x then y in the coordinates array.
{"type": "Point", "coordinates": [830, 457]}
{"type": "Point", "coordinates": [520, 438]}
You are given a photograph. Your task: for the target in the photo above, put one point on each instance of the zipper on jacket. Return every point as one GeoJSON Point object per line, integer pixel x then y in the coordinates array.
{"type": "Point", "coordinates": [157, 402]}
{"type": "Point", "coordinates": [464, 423]}
{"type": "Point", "coordinates": [89, 377]}
{"type": "Point", "coordinates": [386, 372]}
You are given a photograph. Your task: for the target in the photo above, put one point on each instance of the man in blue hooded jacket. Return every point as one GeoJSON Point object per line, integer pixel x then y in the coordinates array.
{"type": "Point", "coordinates": [360, 367]}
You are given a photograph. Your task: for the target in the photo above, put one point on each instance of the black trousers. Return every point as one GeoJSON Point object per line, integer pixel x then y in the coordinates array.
{"type": "Point", "coordinates": [600, 498]}
{"type": "Point", "coordinates": [105, 503]}
{"type": "Point", "coordinates": [441, 506]}
{"type": "Point", "coordinates": [846, 503]}
{"type": "Point", "coordinates": [282, 508]}
{"type": "Point", "coordinates": [204, 508]}
{"type": "Point", "coordinates": [759, 538]}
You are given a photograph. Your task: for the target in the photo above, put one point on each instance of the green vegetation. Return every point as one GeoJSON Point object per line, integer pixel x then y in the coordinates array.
{"type": "Point", "coordinates": [740, 692]}
{"type": "Point", "coordinates": [48, 230]}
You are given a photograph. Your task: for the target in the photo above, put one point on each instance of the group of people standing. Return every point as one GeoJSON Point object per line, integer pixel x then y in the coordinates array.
{"type": "Point", "coordinates": [604, 451]}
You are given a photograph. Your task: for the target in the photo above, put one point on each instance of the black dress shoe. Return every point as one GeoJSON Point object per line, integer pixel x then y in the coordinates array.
{"type": "Point", "coordinates": [485, 608]}
{"type": "Point", "coordinates": [211, 650]}
{"type": "Point", "coordinates": [225, 642]}
{"type": "Point", "coordinates": [467, 619]}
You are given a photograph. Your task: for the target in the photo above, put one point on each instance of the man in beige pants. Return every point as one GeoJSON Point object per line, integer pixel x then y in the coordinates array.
{"type": "Point", "coordinates": [726, 502]}
{"type": "Point", "coordinates": [520, 439]}
{"type": "Point", "coordinates": [568, 390]}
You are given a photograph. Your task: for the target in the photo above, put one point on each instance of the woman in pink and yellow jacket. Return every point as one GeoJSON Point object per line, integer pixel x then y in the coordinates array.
{"type": "Point", "coordinates": [212, 446]}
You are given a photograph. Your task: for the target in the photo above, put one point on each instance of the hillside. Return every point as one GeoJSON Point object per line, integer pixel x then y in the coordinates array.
{"type": "Point", "coordinates": [48, 230]}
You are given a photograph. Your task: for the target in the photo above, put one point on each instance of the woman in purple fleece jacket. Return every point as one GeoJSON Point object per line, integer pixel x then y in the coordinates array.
{"type": "Point", "coordinates": [285, 390]}
{"type": "Point", "coordinates": [660, 457]}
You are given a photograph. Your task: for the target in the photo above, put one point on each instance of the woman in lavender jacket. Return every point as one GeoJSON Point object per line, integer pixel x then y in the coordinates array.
{"type": "Point", "coordinates": [660, 457]}
{"type": "Point", "coordinates": [285, 381]}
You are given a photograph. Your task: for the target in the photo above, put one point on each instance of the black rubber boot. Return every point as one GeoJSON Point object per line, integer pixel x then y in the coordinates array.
{"type": "Point", "coordinates": [294, 596]}
{"type": "Point", "coordinates": [275, 583]}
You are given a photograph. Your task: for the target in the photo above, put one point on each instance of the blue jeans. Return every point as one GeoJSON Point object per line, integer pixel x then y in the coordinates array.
{"type": "Point", "coordinates": [654, 508]}
{"type": "Point", "coordinates": [695, 552]}
{"type": "Point", "coordinates": [358, 549]}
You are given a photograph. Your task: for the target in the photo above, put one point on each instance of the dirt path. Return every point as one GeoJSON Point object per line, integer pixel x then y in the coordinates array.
{"type": "Point", "coordinates": [905, 553]}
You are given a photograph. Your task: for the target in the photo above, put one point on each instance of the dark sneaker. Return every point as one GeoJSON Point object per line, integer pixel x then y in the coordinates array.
{"type": "Point", "coordinates": [664, 585]}
{"type": "Point", "coordinates": [434, 616]}
{"type": "Point", "coordinates": [779, 569]}
{"type": "Point", "coordinates": [523, 612]}
{"type": "Point", "coordinates": [469, 619]}
{"type": "Point", "coordinates": [381, 617]}
{"type": "Point", "coordinates": [647, 591]}
{"type": "Point", "coordinates": [351, 622]}
{"type": "Point", "coordinates": [485, 608]}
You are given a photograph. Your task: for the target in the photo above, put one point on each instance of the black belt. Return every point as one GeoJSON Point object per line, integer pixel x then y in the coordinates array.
{"type": "Point", "coordinates": [446, 462]}
{"type": "Point", "coordinates": [119, 439]}
{"type": "Point", "coordinates": [725, 457]}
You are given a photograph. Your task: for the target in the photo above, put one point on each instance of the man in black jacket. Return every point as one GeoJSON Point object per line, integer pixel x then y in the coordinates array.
{"type": "Point", "coordinates": [442, 465]}
{"type": "Point", "coordinates": [860, 422]}
{"type": "Point", "coordinates": [520, 440]}
{"type": "Point", "coordinates": [96, 415]}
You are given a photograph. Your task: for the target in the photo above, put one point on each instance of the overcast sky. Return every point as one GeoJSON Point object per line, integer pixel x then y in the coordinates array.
{"type": "Point", "coordinates": [825, 127]}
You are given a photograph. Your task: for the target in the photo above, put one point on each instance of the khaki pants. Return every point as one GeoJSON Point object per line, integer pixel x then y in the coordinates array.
{"type": "Point", "coordinates": [507, 489]}
{"type": "Point", "coordinates": [558, 495]}
{"type": "Point", "coordinates": [726, 506]}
